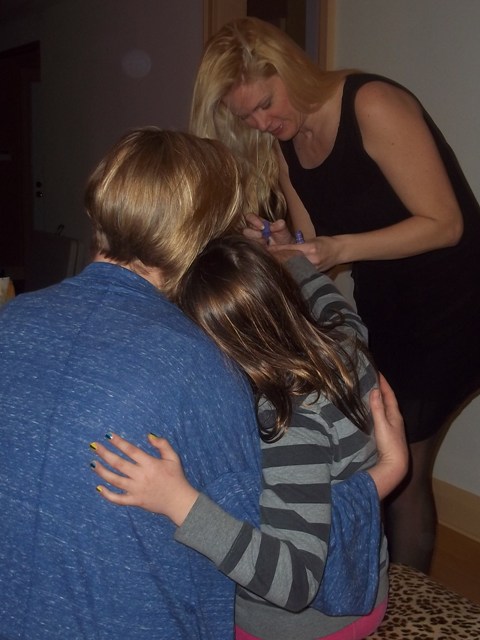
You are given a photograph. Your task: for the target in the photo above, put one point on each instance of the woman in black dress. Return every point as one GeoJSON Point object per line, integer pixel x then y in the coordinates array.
{"type": "Point", "coordinates": [360, 168]}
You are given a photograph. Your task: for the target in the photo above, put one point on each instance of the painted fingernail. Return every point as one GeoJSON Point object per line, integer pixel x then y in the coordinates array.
{"type": "Point", "coordinates": [154, 435]}
{"type": "Point", "coordinates": [299, 239]}
{"type": "Point", "coordinates": [93, 445]}
{"type": "Point", "coordinates": [109, 435]}
{"type": "Point", "coordinates": [99, 488]}
{"type": "Point", "coordinates": [266, 230]}
{"type": "Point", "coordinates": [93, 464]}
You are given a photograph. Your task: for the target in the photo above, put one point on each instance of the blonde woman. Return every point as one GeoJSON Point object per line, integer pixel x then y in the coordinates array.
{"type": "Point", "coordinates": [356, 163]}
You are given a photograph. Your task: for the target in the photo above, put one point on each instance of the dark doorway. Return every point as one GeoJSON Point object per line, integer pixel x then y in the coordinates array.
{"type": "Point", "coordinates": [19, 74]}
{"type": "Point", "coordinates": [288, 15]}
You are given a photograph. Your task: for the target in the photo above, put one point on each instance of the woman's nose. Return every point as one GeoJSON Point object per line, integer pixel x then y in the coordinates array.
{"type": "Point", "coordinates": [260, 121]}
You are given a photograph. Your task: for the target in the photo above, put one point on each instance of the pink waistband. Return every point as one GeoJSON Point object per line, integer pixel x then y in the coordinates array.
{"type": "Point", "coordinates": [357, 630]}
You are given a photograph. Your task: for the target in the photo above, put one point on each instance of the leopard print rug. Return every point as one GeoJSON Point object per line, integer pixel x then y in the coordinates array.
{"type": "Point", "coordinates": [421, 609]}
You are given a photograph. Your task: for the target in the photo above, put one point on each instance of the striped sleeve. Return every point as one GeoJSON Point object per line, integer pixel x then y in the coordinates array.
{"type": "Point", "coordinates": [283, 562]}
{"type": "Point", "coordinates": [325, 300]}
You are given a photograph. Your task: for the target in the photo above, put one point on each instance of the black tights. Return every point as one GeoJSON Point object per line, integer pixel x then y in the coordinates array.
{"type": "Point", "coordinates": [410, 515]}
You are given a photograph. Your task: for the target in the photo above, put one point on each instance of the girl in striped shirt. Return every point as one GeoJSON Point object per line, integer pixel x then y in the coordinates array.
{"type": "Point", "coordinates": [304, 350]}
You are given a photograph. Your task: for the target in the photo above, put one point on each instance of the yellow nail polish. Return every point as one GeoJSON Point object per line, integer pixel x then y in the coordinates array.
{"type": "Point", "coordinates": [153, 435]}
{"type": "Point", "coordinates": [93, 445]}
{"type": "Point", "coordinates": [99, 488]}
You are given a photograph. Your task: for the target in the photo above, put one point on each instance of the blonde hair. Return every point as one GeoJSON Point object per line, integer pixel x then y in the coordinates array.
{"type": "Point", "coordinates": [253, 309]}
{"type": "Point", "coordinates": [243, 51]}
{"type": "Point", "coordinates": [158, 197]}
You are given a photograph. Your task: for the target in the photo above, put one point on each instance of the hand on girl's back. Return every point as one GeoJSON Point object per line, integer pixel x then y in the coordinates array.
{"type": "Point", "coordinates": [155, 484]}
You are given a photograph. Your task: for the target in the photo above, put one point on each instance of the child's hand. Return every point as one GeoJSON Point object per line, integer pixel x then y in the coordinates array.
{"type": "Point", "coordinates": [155, 484]}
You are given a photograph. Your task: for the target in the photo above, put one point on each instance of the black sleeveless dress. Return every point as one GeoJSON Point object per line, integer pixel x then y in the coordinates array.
{"type": "Point", "coordinates": [423, 312]}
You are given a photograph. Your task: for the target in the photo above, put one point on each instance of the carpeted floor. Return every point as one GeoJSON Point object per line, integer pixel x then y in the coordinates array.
{"type": "Point", "coordinates": [421, 609]}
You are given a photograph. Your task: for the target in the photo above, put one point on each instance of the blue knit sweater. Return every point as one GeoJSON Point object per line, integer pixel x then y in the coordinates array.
{"type": "Point", "coordinates": [105, 351]}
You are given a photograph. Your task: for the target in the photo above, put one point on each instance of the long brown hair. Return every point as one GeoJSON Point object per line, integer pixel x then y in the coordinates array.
{"type": "Point", "coordinates": [253, 309]}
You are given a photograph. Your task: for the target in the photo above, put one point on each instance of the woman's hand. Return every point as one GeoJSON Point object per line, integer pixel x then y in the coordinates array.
{"type": "Point", "coordinates": [154, 484]}
{"type": "Point", "coordinates": [392, 464]}
{"type": "Point", "coordinates": [257, 227]}
{"type": "Point", "coordinates": [324, 252]}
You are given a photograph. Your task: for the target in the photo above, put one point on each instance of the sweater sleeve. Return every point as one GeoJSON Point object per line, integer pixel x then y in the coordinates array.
{"type": "Point", "coordinates": [315, 537]}
{"type": "Point", "coordinates": [283, 562]}
{"type": "Point", "coordinates": [325, 300]}
{"type": "Point", "coordinates": [351, 575]}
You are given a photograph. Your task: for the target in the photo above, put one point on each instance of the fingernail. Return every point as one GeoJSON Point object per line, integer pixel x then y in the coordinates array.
{"type": "Point", "coordinates": [266, 230]}
{"type": "Point", "coordinates": [154, 435]}
{"type": "Point", "coordinates": [109, 435]}
{"type": "Point", "coordinates": [99, 488]}
{"type": "Point", "coordinates": [93, 464]}
{"type": "Point", "coordinates": [299, 239]}
{"type": "Point", "coordinates": [93, 445]}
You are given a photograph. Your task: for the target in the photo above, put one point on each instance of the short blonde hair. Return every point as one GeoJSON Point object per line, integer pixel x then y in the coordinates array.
{"type": "Point", "coordinates": [241, 52]}
{"type": "Point", "coordinates": [158, 197]}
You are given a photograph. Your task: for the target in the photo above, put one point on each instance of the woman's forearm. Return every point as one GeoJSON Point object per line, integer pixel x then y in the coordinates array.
{"type": "Point", "coordinates": [407, 238]}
